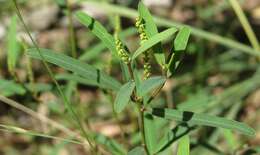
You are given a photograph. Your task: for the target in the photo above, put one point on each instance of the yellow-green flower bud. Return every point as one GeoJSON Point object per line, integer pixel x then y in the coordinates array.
{"type": "Point", "coordinates": [141, 29]}
{"type": "Point", "coordinates": [143, 37]}
{"type": "Point", "coordinates": [122, 53]}
{"type": "Point", "coordinates": [147, 66]}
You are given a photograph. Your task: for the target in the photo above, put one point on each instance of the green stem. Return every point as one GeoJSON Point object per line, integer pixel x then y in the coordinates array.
{"type": "Point", "coordinates": [141, 125]}
{"type": "Point", "coordinates": [245, 24]}
{"type": "Point", "coordinates": [67, 103]}
{"type": "Point", "coordinates": [72, 31]}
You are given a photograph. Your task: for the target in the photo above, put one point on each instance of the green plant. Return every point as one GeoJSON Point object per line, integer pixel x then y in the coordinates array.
{"type": "Point", "coordinates": [139, 87]}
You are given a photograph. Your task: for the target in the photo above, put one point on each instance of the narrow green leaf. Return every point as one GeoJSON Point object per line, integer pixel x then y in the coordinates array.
{"type": "Point", "coordinates": [38, 87]}
{"type": "Point", "coordinates": [97, 29]}
{"type": "Point", "coordinates": [150, 26]}
{"type": "Point", "coordinates": [9, 88]}
{"type": "Point", "coordinates": [125, 72]}
{"type": "Point", "coordinates": [151, 30]}
{"type": "Point", "coordinates": [182, 38]}
{"type": "Point", "coordinates": [110, 144]}
{"type": "Point", "coordinates": [90, 73]}
{"type": "Point", "coordinates": [150, 133]}
{"type": "Point", "coordinates": [179, 45]}
{"type": "Point", "coordinates": [123, 96]}
{"type": "Point", "coordinates": [203, 119]}
{"type": "Point", "coordinates": [230, 138]}
{"type": "Point", "coordinates": [137, 151]}
{"type": "Point", "coordinates": [150, 84]}
{"type": "Point", "coordinates": [184, 146]}
{"type": "Point", "coordinates": [14, 129]}
{"type": "Point", "coordinates": [153, 41]}
{"type": "Point", "coordinates": [12, 45]}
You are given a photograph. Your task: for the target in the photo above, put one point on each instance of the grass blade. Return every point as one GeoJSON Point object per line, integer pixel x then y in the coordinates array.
{"type": "Point", "coordinates": [151, 30]}
{"type": "Point", "coordinates": [230, 139]}
{"type": "Point", "coordinates": [66, 101]}
{"type": "Point", "coordinates": [150, 84]}
{"type": "Point", "coordinates": [40, 117]}
{"type": "Point", "coordinates": [80, 68]}
{"type": "Point", "coordinates": [12, 45]}
{"type": "Point", "coordinates": [14, 129]}
{"type": "Point", "coordinates": [203, 119]}
{"type": "Point", "coordinates": [137, 151]}
{"type": "Point", "coordinates": [245, 24]}
{"type": "Point", "coordinates": [97, 29]}
{"type": "Point", "coordinates": [153, 41]}
{"type": "Point", "coordinates": [123, 96]}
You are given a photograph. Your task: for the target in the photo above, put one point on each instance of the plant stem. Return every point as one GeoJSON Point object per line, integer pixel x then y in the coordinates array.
{"type": "Point", "coordinates": [66, 102]}
{"type": "Point", "coordinates": [141, 125]}
{"type": "Point", "coordinates": [72, 31]}
{"type": "Point", "coordinates": [245, 24]}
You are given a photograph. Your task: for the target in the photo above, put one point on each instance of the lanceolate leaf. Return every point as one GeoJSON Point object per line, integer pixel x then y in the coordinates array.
{"type": "Point", "coordinates": [179, 45]}
{"type": "Point", "coordinates": [123, 96]}
{"type": "Point", "coordinates": [150, 26]}
{"type": "Point", "coordinates": [203, 119]}
{"type": "Point", "coordinates": [12, 45]}
{"type": "Point", "coordinates": [97, 29]}
{"type": "Point", "coordinates": [182, 38]}
{"type": "Point", "coordinates": [150, 133]}
{"type": "Point", "coordinates": [90, 73]}
{"type": "Point", "coordinates": [151, 30]}
{"type": "Point", "coordinates": [137, 151]}
{"type": "Point", "coordinates": [150, 84]}
{"type": "Point", "coordinates": [153, 41]}
{"type": "Point", "coordinates": [184, 146]}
